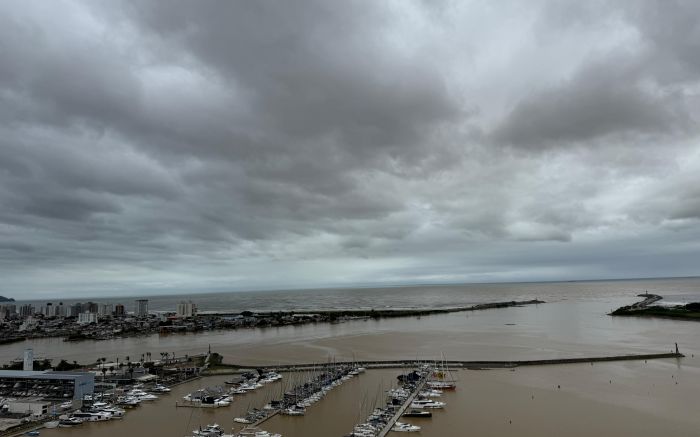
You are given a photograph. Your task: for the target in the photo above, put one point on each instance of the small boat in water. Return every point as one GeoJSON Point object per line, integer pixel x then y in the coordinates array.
{"type": "Point", "coordinates": [417, 413]}
{"type": "Point", "coordinates": [293, 411]}
{"type": "Point", "coordinates": [116, 413]}
{"type": "Point", "coordinates": [141, 395]}
{"type": "Point", "coordinates": [210, 431]}
{"type": "Point", "coordinates": [427, 403]}
{"type": "Point", "coordinates": [32, 433]}
{"type": "Point", "coordinates": [69, 422]}
{"type": "Point", "coordinates": [92, 417]}
{"type": "Point", "coordinates": [160, 388]}
{"type": "Point", "coordinates": [442, 385]}
{"type": "Point", "coordinates": [405, 427]}
{"type": "Point", "coordinates": [255, 432]}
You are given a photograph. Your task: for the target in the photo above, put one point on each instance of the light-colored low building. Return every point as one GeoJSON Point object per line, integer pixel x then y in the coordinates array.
{"type": "Point", "coordinates": [33, 406]}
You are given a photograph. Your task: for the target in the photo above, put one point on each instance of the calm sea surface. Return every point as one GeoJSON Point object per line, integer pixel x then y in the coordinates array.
{"type": "Point", "coordinates": [419, 296]}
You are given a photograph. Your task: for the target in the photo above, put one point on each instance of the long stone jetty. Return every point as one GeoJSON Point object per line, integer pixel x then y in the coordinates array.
{"type": "Point", "coordinates": [392, 364]}
{"type": "Point", "coordinates": [334, 314]}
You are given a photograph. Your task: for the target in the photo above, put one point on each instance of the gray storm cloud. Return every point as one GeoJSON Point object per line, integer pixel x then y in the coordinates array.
{"type": "Point", "coordinates": [181, 146]}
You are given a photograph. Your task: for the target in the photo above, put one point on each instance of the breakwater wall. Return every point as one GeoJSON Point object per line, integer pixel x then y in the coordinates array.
{"type": "Point", "coordinates": [389, 364]}
{"type": "Point", "coordinates": [377, 313]}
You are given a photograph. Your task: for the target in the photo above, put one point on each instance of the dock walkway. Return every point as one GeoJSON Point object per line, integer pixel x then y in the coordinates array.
{"type": "Point", "coordinates": [402, 409]}
{"type": "Point", "coordinates": [265, 419]}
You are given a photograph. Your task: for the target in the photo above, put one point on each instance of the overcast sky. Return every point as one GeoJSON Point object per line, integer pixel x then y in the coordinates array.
{"type": "Point", "coordinates": [186, 146]}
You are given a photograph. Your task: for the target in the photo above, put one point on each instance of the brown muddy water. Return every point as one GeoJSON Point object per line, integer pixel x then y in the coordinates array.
{"type": "Point", "coordinates": [606, 399]}
{"type": "Point", "coordinates": [657, 398]}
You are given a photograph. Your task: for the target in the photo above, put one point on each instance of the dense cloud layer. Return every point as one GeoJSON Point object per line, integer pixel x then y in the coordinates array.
{"type": "Point", "coordinates": [185, 146]}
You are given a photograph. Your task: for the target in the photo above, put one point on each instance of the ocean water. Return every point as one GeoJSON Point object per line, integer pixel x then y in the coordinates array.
{"type": "Point", "coordinates": [680, 290]}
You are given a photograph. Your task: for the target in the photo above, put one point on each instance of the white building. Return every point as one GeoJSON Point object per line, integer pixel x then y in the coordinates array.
{"type": "Point", "coordinates": [28, 325]}
{"type": "Point", "coordinates": [28, 360]}
{"type": "Point", "coordinates": [141, 308]}
{"type": "Point", "coordinates": [26, 310]}
{"type": "Point", "coordinates": [105, 309]}
{"type": "Point", "coordinates": [7, 311]}
{"type": "Point", "coordinates": [32, 406]}
{"type": "Point", "coordinates": [186, 309]}
{"type": "Point", "coordinates": [86, 318]}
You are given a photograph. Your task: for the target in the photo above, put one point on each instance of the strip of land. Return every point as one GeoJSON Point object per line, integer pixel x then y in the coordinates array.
{"type": "Point", "coordinates": [225, 368]}
{"type": "Point", "coordinates": [334, 315]}
{"type": "Point", "coordinates": [646, 308]}
{"type": "Point", "coordinates": [71, 329]}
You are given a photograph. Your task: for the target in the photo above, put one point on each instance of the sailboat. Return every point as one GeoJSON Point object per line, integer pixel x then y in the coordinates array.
{"type": "Point", "coordinates": [442, 379]}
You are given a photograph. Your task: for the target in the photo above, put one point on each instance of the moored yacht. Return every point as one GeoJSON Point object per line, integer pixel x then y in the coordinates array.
{"type": "Point", "coordinates": [210, 431]}
{"type": "Point", "coordinates": [255, 432]}
{"type": "Point", "coordinates": [160, 388]}
{"type": "Point", "coordinates": [417, 413]}
{"type": "Point", "coordinates": [92, 417]}
{"type": "Point", "coordinates": [141, 395]}
{"type": "Point", "coordinates": [427, 403]}
{"type": "Point", "coordinates": [67, 422]}
{"type": "Point", "coordinates": [405, 427]}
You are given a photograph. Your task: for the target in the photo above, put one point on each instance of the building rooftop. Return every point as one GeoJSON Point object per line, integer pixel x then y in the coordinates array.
{"type": "Point", "coordinates": [43, 374]}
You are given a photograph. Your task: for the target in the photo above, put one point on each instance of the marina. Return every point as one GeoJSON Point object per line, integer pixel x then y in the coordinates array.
{"type": "Point", "coordinates": [550, 378]}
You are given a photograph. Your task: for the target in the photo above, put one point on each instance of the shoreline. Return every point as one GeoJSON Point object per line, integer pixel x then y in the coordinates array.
{"type": "Point", "coordinates": [231, 321]}
{"type": "Point", "coordinates": [647, 309]}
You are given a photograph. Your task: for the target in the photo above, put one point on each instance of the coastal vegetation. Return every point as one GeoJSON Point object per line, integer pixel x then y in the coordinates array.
{"type": "Point", "coordinates": [645, 308]}
{"type": "Point", "coordinates": [690, 311]}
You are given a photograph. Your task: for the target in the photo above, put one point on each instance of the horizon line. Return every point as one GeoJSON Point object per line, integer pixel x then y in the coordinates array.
{"type": "Point", "coordinates": [361, 286]}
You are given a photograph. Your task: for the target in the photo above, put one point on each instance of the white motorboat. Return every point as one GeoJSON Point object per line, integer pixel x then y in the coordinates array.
{"type": "Point", "coordinates": [128, 401]}
{"type": "Point", "coordinates": [117, 413]}
{"type": "Point", "coordinates": [427, 403]}
{"type": "Point", "coordinates": [141, 395]}
{"type": "Point", "coordinates": [159, 388]}
{"type": "Point", "coordinates": [68, 422]}
{"type": "Point", "coordinates": [210, 431]}
{"type": "Point", "coordinates": [92, 417]}
{"type": "Point", "coordinates": [442, 385]}
{"type": "Point", "coordinates": [405, 427]}
{"type": "Point", "coordinates": [255, 432]}
{"type": "Point", "coordinates": [293, 411]}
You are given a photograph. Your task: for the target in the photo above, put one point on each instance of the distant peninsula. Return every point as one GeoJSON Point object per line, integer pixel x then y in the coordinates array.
{"type": "Point", "coordinates": [645, 308]}
{"type": "Point", "coordinates": [6, 299]}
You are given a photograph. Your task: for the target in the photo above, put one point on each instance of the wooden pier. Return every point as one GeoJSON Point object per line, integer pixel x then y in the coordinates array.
{"type": "Point", "coordinates": [390, 424]}
{"type": "Point", "coordinates": [259, 422]}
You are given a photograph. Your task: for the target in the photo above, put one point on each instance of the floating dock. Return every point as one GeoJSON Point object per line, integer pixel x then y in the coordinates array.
{"type": "Point", "coordinates": [390, 424]}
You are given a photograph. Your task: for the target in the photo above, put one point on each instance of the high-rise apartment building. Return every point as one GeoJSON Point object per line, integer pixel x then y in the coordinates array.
{"type": "Point", "coordinates": [141, 308]}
